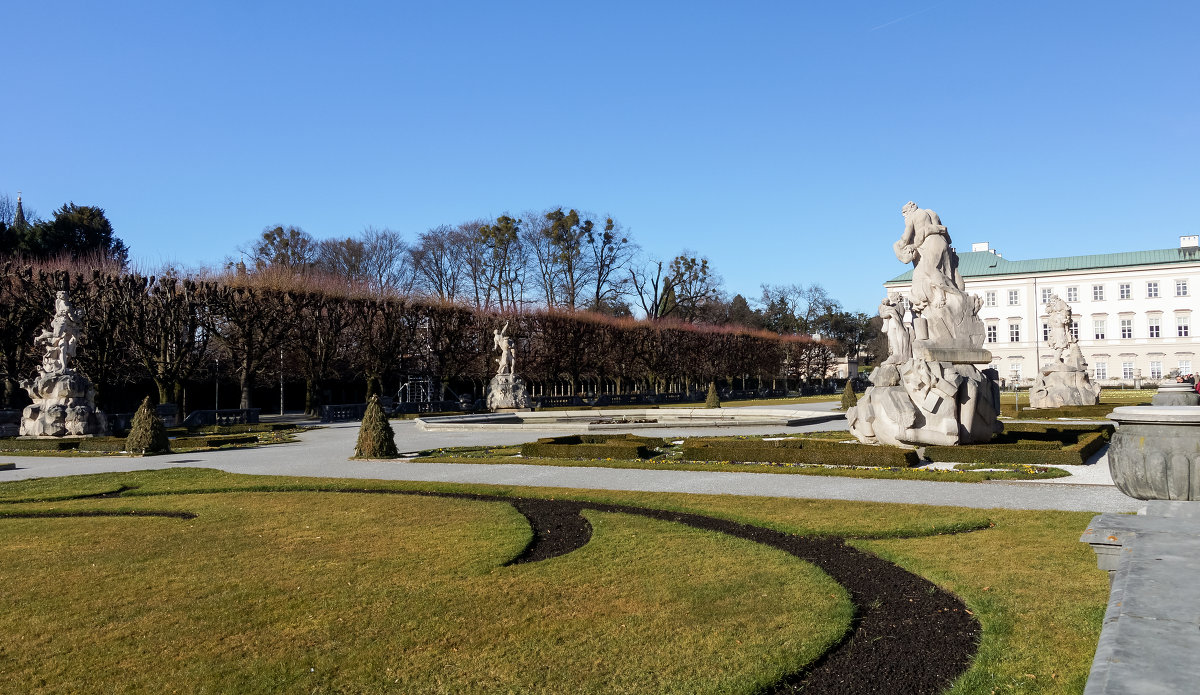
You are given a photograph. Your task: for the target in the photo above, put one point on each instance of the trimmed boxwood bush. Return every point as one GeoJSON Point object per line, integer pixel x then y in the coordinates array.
{"type": "Point", "coordinates": [1097, 412]}
{"type": "Point", "coordinates": [110, 445]}
{"type": "Point", "coordinates": [593, 446]}
{"type": "Point", "coordinates": [815, 451]}
{"type": "Point", "coordinates": [214, 441]}
{"type": "Point", "coordinates": [14, 444]}
{"type": "Point", "coordinates": [1057, 446]}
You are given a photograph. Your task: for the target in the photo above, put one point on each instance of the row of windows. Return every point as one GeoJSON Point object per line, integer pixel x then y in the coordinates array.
{"type": "Point", "coordinates": [1124, 291]}
{"type": "Point", "coordinates": [1099, 329]}
{"type": "Point", "coordinates": [1100, 369]}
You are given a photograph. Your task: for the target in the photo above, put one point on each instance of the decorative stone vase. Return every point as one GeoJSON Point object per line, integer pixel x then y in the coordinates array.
{"type": "Point", "coordinates": [1155, 452]}
{"type": "Point", "coordinates": [1175, 393]}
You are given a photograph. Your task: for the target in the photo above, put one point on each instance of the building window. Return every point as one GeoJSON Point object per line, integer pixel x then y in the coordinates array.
{"type": "Point", "coordinates": [1151, 289]}
{"type": "Point", "coordinates": [989, 298]}
{"type": "Point", "coordinates": [991, 333]}
{"type": "Point", "coordinates": [1014, 332]}
{"type": "Point", "coordinates": [1045, 332]}
{"type": "Point", "coordinates": [1127, 370]}
{"type": "Point", "coordinates": [1097, 293]}
{"type": "Point", "coordinates": [1074, 331]}
{"type": "Point", "coordinates": [1185, 366]}
{"type": "Point", "coordinates": [1014, 297]}
{"type": "Point", "coordinates": [1015, 371]}
{"type": "Point", "coordinates": [1155, 327]}
{"type": "Point", "coordinates": [1181, 288]}
{"type": "Point", "coordinates": [1046, 292]}
{"type": "Point", "coordinates": [1072, 294]}
{"type": "Point", "coordinates": [1126, 328]}
{"type": "Point", "coordinates": [1098, 326]}
{"type": "Point", "coordinates": [1124, 290]}
{"type": "Point", "coordinates": [1156, 370]}
{"type": "Point", "coordinates": [1181, 326]}
{"type": "Point", "coordinates": [1101, 370]}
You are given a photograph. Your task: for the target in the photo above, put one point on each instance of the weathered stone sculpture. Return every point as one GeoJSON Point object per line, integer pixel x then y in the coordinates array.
{"type": "Point", "coordinates": [1064, 381]}
{"type": "Point", "coordinates": [929, 391]}
{"type": "Point", "coordinates": [506, 390]}
{"type": "Point", "coordinates": [63, 399]}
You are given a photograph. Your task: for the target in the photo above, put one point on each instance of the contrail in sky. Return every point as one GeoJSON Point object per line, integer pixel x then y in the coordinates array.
{"type": "Point", "coordinates": [901, 19]}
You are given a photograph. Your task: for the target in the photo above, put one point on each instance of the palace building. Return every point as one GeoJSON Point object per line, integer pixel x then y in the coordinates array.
{"type": "Point", "coordinates": [1133, 312]}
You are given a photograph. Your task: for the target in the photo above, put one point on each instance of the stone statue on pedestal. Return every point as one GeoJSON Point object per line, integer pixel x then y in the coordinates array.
{"type": "Point", "coordinates": [1065, 380]}
{"type": "Point", "coordinates": [929, 391]}
{"type": "Point", "coordinates": [63, 399]}
{"type": "Point", "coordinates": [506, 390]}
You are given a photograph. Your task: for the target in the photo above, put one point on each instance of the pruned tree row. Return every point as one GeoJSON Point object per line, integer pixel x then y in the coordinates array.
{"type": "Point", "coordinates": [163, 333]}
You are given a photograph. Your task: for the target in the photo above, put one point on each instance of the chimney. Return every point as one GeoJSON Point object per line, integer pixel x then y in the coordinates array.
{"type": "Point", "coordinates": [980, 246]}
{"type": "Point", "coordinates": [1186, 242]}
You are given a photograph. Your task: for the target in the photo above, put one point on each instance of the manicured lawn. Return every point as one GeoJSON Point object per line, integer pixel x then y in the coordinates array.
{"type": "Point", "coordinates": [276, 587]}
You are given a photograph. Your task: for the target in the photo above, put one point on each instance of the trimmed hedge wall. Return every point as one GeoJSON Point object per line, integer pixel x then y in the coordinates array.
{"type": "Point", "coordinates": [14, 444]}
{"type": "Point", "coordinates": [1068, 447]}
{"type": "Point", "coordinates": [1097, 412]}
{"type": "Point", "coordinates": [217, 440]}
{"type": "Point", "coordinates": [797, 451]}
{"type": "Point", "coordinates": [593, 446]}
{"type": "Point", "coordinates": [109, 445]}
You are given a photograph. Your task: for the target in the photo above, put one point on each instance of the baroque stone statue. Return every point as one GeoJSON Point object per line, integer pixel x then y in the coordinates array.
{"type": "Point", "coordinates": [506, 390]}
{"type": "Point", "coordinates": [63, 399]}
{"type": "Point", "coordinates": [504, 344]}
{"type": "Point", "coordinates": [1064, 381]}
{"type": "Point", "coordinates": [928, 390]}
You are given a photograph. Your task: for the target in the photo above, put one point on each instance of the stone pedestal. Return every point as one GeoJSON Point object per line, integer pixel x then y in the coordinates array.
{"type": "Point", "coordinates": [1155, 452]}
{"type": "Point", "coordinates": [1056, 388]}
{"type": "Point", "coordinates": [507, 392]}
{"type": "Point", "coordinates": [62, 406]}
{"type": "Point", "coordinates": [1176, 393]}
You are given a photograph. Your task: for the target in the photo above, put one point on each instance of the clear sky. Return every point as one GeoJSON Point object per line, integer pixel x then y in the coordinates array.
{"type": "Point", "coordinates": [778, 138]}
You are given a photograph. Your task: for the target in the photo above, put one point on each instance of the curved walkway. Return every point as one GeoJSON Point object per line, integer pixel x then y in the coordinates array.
{"type": "Point", "coordinates": [323, 453]}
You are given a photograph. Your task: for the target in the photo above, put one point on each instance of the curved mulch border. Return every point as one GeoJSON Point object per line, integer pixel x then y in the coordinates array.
{"type": "Point", "coordinates": [907, 636]}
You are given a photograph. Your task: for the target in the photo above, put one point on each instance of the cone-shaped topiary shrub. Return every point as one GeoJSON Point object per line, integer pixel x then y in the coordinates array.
{"type": "Point", "coordinates": [147, 435]}
{"type": "Point", "coordinates": [712, 401]}
{"type": "Point", "coordinates": [849, 400]}
{"type": "Point", "coordinates": [376, 440]}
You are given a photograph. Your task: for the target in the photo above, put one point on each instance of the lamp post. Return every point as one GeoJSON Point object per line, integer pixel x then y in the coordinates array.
{"type": "Point", "coordinates": [217, 385]}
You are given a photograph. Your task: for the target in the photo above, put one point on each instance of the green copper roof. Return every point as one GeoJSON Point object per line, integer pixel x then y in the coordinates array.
{"type": "Point", "coordinates": [975, 264]}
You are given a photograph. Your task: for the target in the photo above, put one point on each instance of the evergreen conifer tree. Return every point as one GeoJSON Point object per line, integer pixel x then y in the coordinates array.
{"type": "Point", "coordinates": [376, 440]}
{"type": "Point", "coordinates": [147, 435]}
{"type": "Point", "coordinates": [712, 401]}
{"type": "Point", "coordinates": [849, 400]}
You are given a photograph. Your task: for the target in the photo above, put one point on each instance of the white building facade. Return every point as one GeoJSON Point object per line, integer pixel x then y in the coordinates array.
{"type": "Point", "coordinates": [1136, 314]}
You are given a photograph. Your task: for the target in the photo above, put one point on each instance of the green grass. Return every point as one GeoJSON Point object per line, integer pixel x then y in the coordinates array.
{"type": "Point", "coordinates": [299, 591]}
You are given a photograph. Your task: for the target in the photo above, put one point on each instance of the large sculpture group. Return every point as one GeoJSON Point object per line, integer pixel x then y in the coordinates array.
{"type": "Point", "coordinates": [506, 390]}
{"type": "Point", "coordinates": [929, 390]}
{"type": "Point", "coordinates": [1065, 380]}
{"type": "Point", "coordinates": [64, 402]}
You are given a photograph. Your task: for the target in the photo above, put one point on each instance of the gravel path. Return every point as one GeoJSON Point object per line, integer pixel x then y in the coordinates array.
{"type": "Point", "coordinates": [323, 452]}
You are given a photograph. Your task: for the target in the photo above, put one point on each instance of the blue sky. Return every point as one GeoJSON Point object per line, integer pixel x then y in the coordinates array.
{"type": "Point", "coordinates": [779, 139]}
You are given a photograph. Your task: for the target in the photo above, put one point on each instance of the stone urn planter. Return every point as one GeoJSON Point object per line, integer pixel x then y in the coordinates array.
{"type": "Point", "coordinates": [1174, 393]}
{"type": "Point", "coordinates": [1155, 452]}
